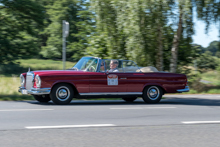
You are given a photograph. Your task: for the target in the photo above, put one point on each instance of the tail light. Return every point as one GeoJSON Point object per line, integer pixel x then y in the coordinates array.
{"type": "Point", "coordinates": [186, 83]}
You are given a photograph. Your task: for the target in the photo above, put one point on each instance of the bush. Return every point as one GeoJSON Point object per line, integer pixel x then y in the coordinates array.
{"type": "Point", "coordinates": [206, 61]}
{"type": "Point", "coordinates": [193, 78]}
{"type": "Point", "coordinates": [11, 68]}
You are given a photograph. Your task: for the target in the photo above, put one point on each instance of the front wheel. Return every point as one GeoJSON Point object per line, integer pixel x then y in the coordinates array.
{"type": "Point", "coordinates": [42, 98]}
{"type": "Point", "coordinates": [62, 94]}
{"type": "Point", "coordinates": [152, 94]}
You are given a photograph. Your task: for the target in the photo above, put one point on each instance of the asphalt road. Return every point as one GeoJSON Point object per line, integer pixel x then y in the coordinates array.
{"type": "Point", "coordinates": [178, 120]}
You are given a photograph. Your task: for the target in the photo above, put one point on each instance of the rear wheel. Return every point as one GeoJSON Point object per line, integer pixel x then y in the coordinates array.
{"type": "Point", "coordinates": [129, 99]}
{"type": "Point", "coordinates": [62, 94]}
{"type": "Point", "coordinates": [42, 98]}
{"type": "Point", "coordinates": [152, 94]}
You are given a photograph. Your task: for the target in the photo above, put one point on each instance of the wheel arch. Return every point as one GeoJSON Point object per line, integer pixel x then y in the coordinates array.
{"type": "Point", "coordinates": [71, 84]}
{"type": "Point", "coordinates": [154, 84]}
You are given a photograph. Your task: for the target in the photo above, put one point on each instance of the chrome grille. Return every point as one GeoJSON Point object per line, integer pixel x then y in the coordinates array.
{"type": "Point", "coordinates": [29, 80]}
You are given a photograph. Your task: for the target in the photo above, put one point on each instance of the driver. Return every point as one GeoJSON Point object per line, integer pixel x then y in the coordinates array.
{"type": "Point", "coordinates": [113, 66]}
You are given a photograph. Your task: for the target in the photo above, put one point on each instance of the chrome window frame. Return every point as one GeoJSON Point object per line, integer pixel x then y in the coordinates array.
{"type": "Point", "coordinates": [93, 58]}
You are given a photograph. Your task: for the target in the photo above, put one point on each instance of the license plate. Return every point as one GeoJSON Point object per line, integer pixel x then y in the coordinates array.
{"type": "Point", "coordinates": [24, 91]}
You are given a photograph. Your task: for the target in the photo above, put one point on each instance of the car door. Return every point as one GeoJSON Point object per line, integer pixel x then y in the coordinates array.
{"type": "Point", "coordinates": [108, 82]}
{"type": "Point", "coordinates": [135, 80]}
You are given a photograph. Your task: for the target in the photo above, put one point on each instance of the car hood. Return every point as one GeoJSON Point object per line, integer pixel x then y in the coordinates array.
{"type": "Point", "coordinates": [59, 72]}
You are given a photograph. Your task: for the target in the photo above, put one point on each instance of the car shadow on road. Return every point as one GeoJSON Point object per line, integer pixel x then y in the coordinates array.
{"type": "Point", "coordinates": [167, 101]}
{"type": "Point", "coordinates": [93, 102]}
{"type": "Point", "coordinates": [190, 101]}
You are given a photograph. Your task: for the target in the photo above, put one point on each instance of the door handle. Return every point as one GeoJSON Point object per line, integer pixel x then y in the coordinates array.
{"type": "Point", "coordinates": [123, 78]}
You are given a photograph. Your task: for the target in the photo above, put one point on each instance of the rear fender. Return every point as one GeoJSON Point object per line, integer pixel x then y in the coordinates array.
{"type": "Point", "coordinates": [154, 84]}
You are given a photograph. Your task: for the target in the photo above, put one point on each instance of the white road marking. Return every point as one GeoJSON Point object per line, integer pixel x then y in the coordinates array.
{"type": "Point", "coordinates": [200, 122]}
{"type": "Point", "coordinates": [126, 108]}
{"type": "Point", "coordinates": [143, 108]}
{"type": "Point", "coordinates": [70, 126]}
{"type": "Point", "coordinates": [25, 110]}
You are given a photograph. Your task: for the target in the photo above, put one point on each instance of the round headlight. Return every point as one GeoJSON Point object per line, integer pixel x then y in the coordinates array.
{"type": "Point", "coordinates": [38, 81]}
{"type": "Point", "coordinates": [22, 80]}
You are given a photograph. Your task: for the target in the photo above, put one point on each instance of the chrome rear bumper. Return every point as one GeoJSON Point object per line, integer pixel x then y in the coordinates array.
{"type": "Point", "coordinates": [186, 89]}
{"type": "Point", "coordinates": [34, 91]}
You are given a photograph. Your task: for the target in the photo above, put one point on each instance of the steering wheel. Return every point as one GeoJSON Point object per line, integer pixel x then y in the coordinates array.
{"type": "Point", "coordinates": [92, 68]}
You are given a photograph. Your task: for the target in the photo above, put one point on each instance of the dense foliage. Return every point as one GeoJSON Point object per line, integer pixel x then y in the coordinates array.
{"type": "Point", "coordinates": [20, 22]}
{"type": "Point", "coordinates": [77, 14]}
{"type": "Point", "coordinates": [150, 32]}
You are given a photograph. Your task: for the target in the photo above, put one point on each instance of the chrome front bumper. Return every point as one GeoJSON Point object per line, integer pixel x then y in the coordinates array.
{"type": "Point", "coordinates": [186, 89]}
{"type": "Point", "coordinates": [34, 91]}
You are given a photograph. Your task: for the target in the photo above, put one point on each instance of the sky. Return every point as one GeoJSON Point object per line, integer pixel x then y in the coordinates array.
{"type": "Point", "coordinates": [204, 39]}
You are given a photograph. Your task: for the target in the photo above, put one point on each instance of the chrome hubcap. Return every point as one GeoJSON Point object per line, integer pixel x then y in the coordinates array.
{"type": "Point", "coordinates": [62, 93]}
{"type": "Point", "coordinates": [153, 92]}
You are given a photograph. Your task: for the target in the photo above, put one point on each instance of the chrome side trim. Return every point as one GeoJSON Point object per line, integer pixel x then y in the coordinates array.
{"type": "Point", "coordinates": [36, 91]}
{"type": "Point", "coordinates": [113, 93]}
{"type": "Point", "coordinates": [186, 89]}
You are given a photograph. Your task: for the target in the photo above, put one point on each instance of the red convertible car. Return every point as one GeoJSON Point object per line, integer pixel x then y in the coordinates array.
{"type": "Point", "coordinates": [93, 77]}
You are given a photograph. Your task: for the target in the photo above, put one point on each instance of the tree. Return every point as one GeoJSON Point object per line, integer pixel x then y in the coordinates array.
{"type": "Point", "coordinates": [98, 46]}
{"type": "Point", "coordinates": [20, 21]}
{"type": "Point", "coordinates": [107, 25]}
{"type": "Point", "coordinates": [209, 11]}
{"type": "Point", "coordinates": [185, 25]}
{"type": "Point", "coordinates": [207, 61]}
{"type": "Point", "coordinates": [213, 47]}
{"type": "Point", "coordinates": [144, 28]}
{"type": "Point", "coordinates": [77, 14]}
{"type": "Point", "coordinates": [161, 12]}
{"type": "Point", "coordinates": [131, 30]}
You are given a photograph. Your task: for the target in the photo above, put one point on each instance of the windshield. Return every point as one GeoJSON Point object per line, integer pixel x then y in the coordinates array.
{"type": "Point", "coordinates": [87, 64]}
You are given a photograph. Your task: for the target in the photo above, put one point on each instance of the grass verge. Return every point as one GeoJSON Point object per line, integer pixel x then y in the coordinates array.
{"type": "Point", "coordinates": [9, 89]}
{"type": "Point", "coordinates": [212, 76]}
{"type": "Point", "coordinates": [15, 97]}
{"type": "Point", "coordinates": [21, 66]}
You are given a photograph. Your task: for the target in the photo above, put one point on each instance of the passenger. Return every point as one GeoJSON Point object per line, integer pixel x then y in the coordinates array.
{"type": "Point", "coordinates": [113, 66]}
{"type": "Point", "coordinates": [102, 67]}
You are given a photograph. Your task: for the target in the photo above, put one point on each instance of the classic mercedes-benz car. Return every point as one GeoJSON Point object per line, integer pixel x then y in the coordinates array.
{"type": "Point", "coordinates": [93, 77]}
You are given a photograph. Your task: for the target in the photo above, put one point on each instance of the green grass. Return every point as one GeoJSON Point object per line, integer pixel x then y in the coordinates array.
{"type": "Point", "coordinates": [16, 97]}
{"type": "Point", "coordinates": [208, 88]}
{"type": "Point", "coordinates": [21, 66]}
{"type": "Point", "coordinates": [9, 76]}
{"type": "Point", "coordinates": [213, 91]}
{"type": "Point", "coordinates": [9, 85]}
{"type": "Point", "coordinates": [39, 64]}
{"type": "Point", "coordinates": [9, 89]}
{"type": "Point", "coordinates": [192, 91]}
{"type": "Point", "coordinates": [212, 76]}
